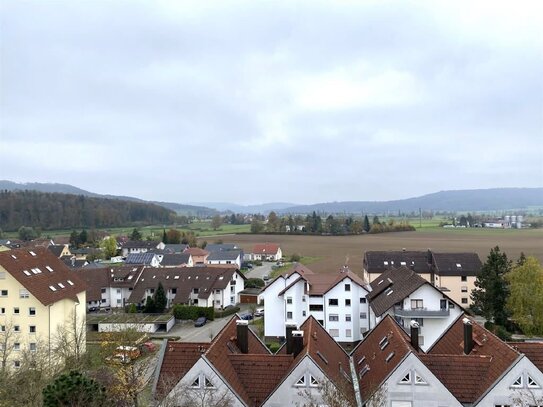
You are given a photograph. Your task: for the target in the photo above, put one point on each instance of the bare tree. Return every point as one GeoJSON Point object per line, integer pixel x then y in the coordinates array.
{"type": "Point", "coordinates": [526, 398]}
{"type": "Point", "coordinates": [187, 396]}
{"type": "Point", "coordinates": [379, 397]}
{"type": "Point", "coordinates": [7, 333]}
{"type": "Point", "coordinates": [69, 342]}
{"type": "Point", "coordinates": [329, 394]}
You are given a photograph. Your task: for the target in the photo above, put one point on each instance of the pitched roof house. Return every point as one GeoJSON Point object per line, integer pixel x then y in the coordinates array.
{"type": "Point", "coordinates": [266, 251]}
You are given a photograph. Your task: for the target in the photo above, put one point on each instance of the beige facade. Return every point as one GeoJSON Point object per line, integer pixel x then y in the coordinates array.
{"type": "Point", "coordinates": [369, 277]}
{"type": "Point", "coordinates": [26, 323]}
{"type": "Point", "coordinates": [458, 288]}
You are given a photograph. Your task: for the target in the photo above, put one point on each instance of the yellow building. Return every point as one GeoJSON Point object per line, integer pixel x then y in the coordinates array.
{"type": "Point", "coordinates": [39, 296]}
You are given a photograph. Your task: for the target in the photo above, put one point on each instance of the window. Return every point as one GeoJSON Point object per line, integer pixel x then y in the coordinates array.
{"type": "Point", "coordinates": [196, 290]}
{"type": "Point", "coordinates": [207, 383]}
{"type": "Point", "coordinates": [216, 291]}
{"type": "Point", "coordinates": [2, 311]}
{"type": "Point", "coordinates": [464, 288]}
{"type": "Point", "coordinates": [406, 379]}
{"type": "Point", "coordinates": [348, 333]}
{"type": "Point", "coordinates": [464, 278]}
{"type": "Point", "coordinates": [419, 321]}
{"type": "Point", "coordinates": [315, 307]}
{"type": "Point", "coordinates": [451, 305]}
{"type": "Point", "coordinates": [334, 333]}
{"type": "Point", "coordinates": [118, 300]}
{"type": "Point", "coordinates": [532, 383]}
{"type": "Point", "coordinates": [416, 304]}
{"type": "Point", "coordinates": [289, 300]}
{"type": "Point", "coordinates": [32, 329]}
{"type": "Point", "coordinates": [23, 293]}
{"type": "Point", "coordinates": [347, 287]}
{"type": "Point", "coordinates": [333, 317]}
{"type": "Point", "coordinates": [32, 311]}
{"type": "Point", "coordinates": [2, 328]}
{"type": "Point", "coordinates": [389, 357]}
{"type": "Point", "coordinates": [16, 328]}
{"type": "Point", "coordinates": [363, 315]}
{"type": "Point", "coordinates": [3, 293]}
{"type": "Point", "coordinates": [333, 301]}
{"type": "Point", "coordinates": [518, 382]}
{"type": "Point", "coordinates": [348, 317]}
{"type": "Point", "coordinates": [174, 291]}
{"type": "Point", "coordinates": [289, 315]}
{"type": "Point", "coordinates": [17, 363]}
{"type": "Point", "coordinates": [303, 298]}
{"type": "Point", "coordinates": [196, 383]}
{"type": "Point", "coordinates": [464, 300]}
{"type": "Point", "coordinates": [383, 343]}
{"type": "Point", "coordinates": [313, 382]}
{"type": "Point", "coordinates": [300, 382]}
{"type": "Point", "coordinates": [16, 346]}
{"type": "Point", "coordinates": [32, 347]}
{"type": "Point", "coordinates": [347, 302]}
{"type": "Point", "coordinates": [320, 321]}
{"type": "Point", "coordinates": [362, 300]}
{"type": "Point", "coordinates": [419, 379]}
{"type": "Point", "coordinates": [103, 290]}
{"type": "Point", "coordinates": [103, 300]}
{"type": "Point", "coordinates": [303, 313]}
{"type": "Point", "coordinates": [16, 310]}
{"type": "Point", "coordinates": [118, 290]}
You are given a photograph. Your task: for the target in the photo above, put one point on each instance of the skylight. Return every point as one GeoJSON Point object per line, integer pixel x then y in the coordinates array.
{"type": "Point", "coordinates": [48, 268]}
{"type": "Point", "coordinates": [13, 256]}
{"type": "Point", "coordinates": [70, 282]}
{"type": "Point", "coordinates": [403, 263]}
{"type": "Point", "coordinates": [176, 277]}
{"type": "Point", "coordinates": [385, 263]}
{"type": "Point", "coordinates": [130, 277]}
{"type": "Point", "coordinates": [27, 272]}
{"type": "Point", "coordinates": [383, 343]}
{"type": "Point", "coordinates": [390, 356]}
{"type": "Point", "coordinates": [458, 265]}
{"type": "Point", "coordinates": [32, 253]}
{"type": "Point", "coordinates": [364, 370]}
{"type": "Point", "coordinates": [390, 292]}
{"type": "Point", "coordinates": [52, 288]}
{"type": "Point", "coordinates": [61, 285]}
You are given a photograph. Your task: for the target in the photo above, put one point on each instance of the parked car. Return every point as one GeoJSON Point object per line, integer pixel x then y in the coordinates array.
{"type": "Point", "coordinates": [266, 278]}
{"type": "Point", "coordinates": [200, 322]}
{"type": "Point", "coordinates": [259, 312]}
{"type": "Point", "coordinates": [246, 317]}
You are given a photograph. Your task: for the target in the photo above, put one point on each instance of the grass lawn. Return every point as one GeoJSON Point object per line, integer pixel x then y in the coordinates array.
{"type": "Point", "coordinates": [305, 260]}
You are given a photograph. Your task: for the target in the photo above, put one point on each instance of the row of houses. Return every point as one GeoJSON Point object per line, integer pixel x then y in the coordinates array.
{"type": "Point", "coordinates": [466, 366]}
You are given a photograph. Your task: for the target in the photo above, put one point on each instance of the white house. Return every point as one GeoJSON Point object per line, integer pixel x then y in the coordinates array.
{"type": "Point", "coordinates": [225, 257]}
{"type": "Point", "coordinates": [336, 300]}
{"type": "Point", "coordinates": [140, 246]}
{"type": "Point", "coordinates": [265, 251]}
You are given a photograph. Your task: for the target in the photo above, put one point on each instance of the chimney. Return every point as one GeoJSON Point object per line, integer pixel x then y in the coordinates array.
{"type": "Point", "coordinates": [243, 335]}
{"type": "Point", "coordinates": [297, 342]}
{"type": "Point", "coordinates": [468, 336]}
{"type": "Point", "coordinates": [415, 334]}
{"type": "Point", "coordinates": [290, 328]}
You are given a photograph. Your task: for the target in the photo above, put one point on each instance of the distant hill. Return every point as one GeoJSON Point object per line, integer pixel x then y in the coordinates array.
{"type": "Point", "coordinates": [264, 208]}
{"type": "Point", "coordinates": [496, 199]}
{"type": "Point", "coordinates": [180, 209]}
{"type": "Point", "coordinates": [48, 211]}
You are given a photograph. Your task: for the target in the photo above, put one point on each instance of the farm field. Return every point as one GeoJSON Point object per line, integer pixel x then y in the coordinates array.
{"type": "Point", "coordinates": [334, 251]}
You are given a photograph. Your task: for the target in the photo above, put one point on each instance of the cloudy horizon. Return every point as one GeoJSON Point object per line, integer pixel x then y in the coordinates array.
{"type": "Point", "coordinates": [252, 102]}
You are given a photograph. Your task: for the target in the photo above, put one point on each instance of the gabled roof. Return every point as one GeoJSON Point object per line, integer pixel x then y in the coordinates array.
{"type": "Point", "coordinates": [140, 258]}
{"type": "Point", "coordinates": [140, 244]}
{"type": "Point", "coordinates": [456, 264]}
{"type": "Point", "coordinates": [184, 280]}
{"type": "Point", "coordinates": [196, 251]}
{"type": "Point", "coordinates": [231, 255]}
{"type": "Point", "coordinates": [56, 249]}
{"type": "Point", "coordinates": [298, 269]}
{"type": "Point", "coordinates": [502, 356]}
{"type": "Point", "coordinates": [265, 248]}
{"type": "Point", "coordinates": [391, 287]}
{"type": "Point", "coordinates": [320, 284]}
{"type": "Point", "coordinates": [379, 261]}
{"type": "Point", "coordinates": [175, 259]}
{"type": "Point", "coordinates": [96, 279]}
{"type": "Point", "coordinates": [42, 274]}
{"type": "Point", "coordinates": [532, 350]}
{"type": "Point", "coordinates": [175, 248]}
{"type": "Point", "coordinates": [378, 355]}
{"type": "Point", "coordinates": [222, 247]}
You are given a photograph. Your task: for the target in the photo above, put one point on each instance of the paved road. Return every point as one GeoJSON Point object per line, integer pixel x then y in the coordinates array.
{"type": "Point", "coordinates": [260, 271]}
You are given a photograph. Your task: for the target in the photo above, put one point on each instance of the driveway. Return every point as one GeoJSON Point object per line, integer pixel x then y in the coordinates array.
{"type": "Point", "coordinates": [260, 271]}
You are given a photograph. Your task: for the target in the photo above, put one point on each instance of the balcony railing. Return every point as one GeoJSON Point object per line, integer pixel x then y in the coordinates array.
{"type": "Point", "coordinates": [421, 313]}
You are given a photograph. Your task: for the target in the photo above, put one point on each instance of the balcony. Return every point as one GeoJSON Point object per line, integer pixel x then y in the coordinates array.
{"type": "Point", "coordinates": [421, 313]}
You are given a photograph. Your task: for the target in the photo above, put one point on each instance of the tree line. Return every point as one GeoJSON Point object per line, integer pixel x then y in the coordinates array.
{"type": "Point", "coordinates": [49, 211]}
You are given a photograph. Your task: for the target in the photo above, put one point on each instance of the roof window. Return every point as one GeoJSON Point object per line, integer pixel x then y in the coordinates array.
{"type": "Point", "coordinates": [364, 370]}
{"type": "Point", "coordinates": [362, 360]}
{"type": "Point", "coordinates": [383, 343]}
{"type": "Point", "coordinates": [458, 265]}
{"type": "Point", "coordinates": [32, 253]}
{"type": "Point", "coordinates": [27, 272]}
{"type": "Point", "coordinates": [48, 268]}
{"type": "Point", "coordinates": [70, 282]}
{"type": "Point", "coordinates": [52, 288]}
{"type": "Point", "coordinates": [389, 357]}
{"type": "Point", "coordinates": [61, 285]}
{"type": "Point", "coordinates": [176, 277]}
{"type": "Point", "coordinates": [13, 256]}
{"type": "Point", "coordinates": [403, 263]}
{"type": "Point", "coordinates": [385, 263]}
{"type": "Point", "coordinates": [319, 354]}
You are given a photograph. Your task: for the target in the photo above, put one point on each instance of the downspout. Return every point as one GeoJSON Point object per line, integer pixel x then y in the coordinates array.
{"type": "Point", "coordinates": [356, 386]}
{"type": "Point", "coordinates": [49, 341]}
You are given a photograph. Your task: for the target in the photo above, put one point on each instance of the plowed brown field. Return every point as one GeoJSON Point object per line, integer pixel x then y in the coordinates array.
{"type": "Point", "coordinates": [334, 251]}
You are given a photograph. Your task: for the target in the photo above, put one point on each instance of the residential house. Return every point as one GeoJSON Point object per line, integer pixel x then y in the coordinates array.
{"type": "Point", "coordinates": [199, 256]}
{"type": "Point", "coordinates": [145, 259]}
{"type": "Point", "coordinates": [237, 366]}
{"type": "Point", "coordinates": [225, 257]}
{"type": "Point", "coordinates": [265, 252]}
{"type": "Point", "coordinates": [38, 295]}
{"type": "Point", "coordinates": [74, 263]}
{"type": "Point", "coordinates": [406, 296]}
{"type": "Point", "coordinates": [140, 246]}
{"type": "Point", "coordinates": [60, 250]}
{"type": "Point", "coordinates": [175, 248]}
{"type": "Point", "coordinates": [452, 273]}
{"type": "Point", "coordinates": [217, 286]}
{"type": "Point", "coordinates": [337, 300]}
{"type": "Point", "coordinates": [176, 260]}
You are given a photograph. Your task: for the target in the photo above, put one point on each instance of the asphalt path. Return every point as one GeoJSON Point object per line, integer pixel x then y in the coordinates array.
{"type": "Point", "coordinates": [260, 271]}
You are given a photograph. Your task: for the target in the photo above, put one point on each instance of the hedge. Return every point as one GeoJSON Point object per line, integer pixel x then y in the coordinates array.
{"type": "Point", "coordinates": [193, 312]}
{"type": "Point", "coordinates": [226, 312]}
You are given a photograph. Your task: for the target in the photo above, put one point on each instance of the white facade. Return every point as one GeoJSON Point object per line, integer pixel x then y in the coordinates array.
{"type": "Point", "coordinates": [415, 385]}
{"type": "Point", "coordinates": [342, 311]}
{"type": "Point", "coordinates": [237, 261]}
{"type": "Point", "coordinates": [113, 297]}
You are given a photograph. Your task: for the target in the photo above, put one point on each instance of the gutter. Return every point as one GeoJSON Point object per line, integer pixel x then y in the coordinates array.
{"type": "Point", "coordinates": [356, 386]}
{"type": "Point", "coordinates": [158, 367]}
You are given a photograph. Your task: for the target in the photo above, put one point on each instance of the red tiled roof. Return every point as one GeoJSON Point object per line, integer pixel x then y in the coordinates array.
{"type": "Point", "coordinates": [196, 251]}
{"type": "Point", "coordinates": [370, 356]}
{"type": "Point", "coordinates": [460, 374]}
{"type": "Point", "coordinates": [179, 357]}
{"type": "Point", "coordinates": [485, 343]}
{"type": "Point", "coordinates": [533, 350]}
{"type": "Point", "coordinates": [265, 248]}
{"type": "Point", "coordinates": [38, 269]}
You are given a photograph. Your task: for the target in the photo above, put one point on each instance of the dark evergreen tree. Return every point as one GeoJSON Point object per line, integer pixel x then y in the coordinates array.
{"type": "Point", "coordinates": [74, 390]}
{"type": "Point", "coordinates": [150, 307]}
{"type": "Point", "coordinates": [83, 237]}
{"type": "Point", "coordinates": [160, 299]}
{"type": "Point", "coordinates": [491, 291]}
{"type": "Point", "coordinates": [366, 227]}
{"type": "Point", "coordinates": [522, 259]}
{"type": "Point", "coordinates": [164, 237]}
{"type": "Point", "coordinates": [28, 233]}
{"type": "Point", "coordinates": [75, 239]}
{"type": "Point", "coordinates": [376, 220]}
{"type": "Point", "coordinates": [136, 235]}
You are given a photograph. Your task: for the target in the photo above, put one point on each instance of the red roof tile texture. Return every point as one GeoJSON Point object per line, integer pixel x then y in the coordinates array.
{"type": "Point", "coordinates": [533, 350]}
{"type": "Point", "coordinates": [265, 248]}
{"type": "Point", "coordinates": [38, 269]}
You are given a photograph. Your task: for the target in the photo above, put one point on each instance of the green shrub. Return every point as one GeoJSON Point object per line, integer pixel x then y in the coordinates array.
{"type": "Point", "coordinates": [273, 346]}
{"type": "Point", "coordinates": [295, 258]}
{"type": "Point", "coordinates": [254, 283]}
{"type": "Point", "coordinates": [185, 312]}
{"type": "Point", "coordinates": [226, 312]}
{"type": "Point", "coordinates": [502, 333]}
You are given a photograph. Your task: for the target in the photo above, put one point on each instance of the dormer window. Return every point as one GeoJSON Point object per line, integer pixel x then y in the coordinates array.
{"type": "Point", "coordinates": [383, 343]}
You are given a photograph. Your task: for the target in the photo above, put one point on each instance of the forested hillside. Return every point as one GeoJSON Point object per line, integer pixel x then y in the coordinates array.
{"type": "Point", "coordinates": [65, 211]}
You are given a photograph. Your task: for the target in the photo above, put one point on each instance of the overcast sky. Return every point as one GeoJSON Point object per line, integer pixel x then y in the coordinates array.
{"type": "Point", "coordinates": [254, 101]}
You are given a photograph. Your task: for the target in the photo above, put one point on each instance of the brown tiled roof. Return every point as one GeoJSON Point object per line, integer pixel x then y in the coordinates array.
{"type": "Point", "coordinates": [196, 251]}
{"type": "Point", "coordinates": [486, 343]}
{"type": "Point", "coordinates": [298, 268]}
{"type": "Point", "coordinates": [184, 279]}
{"type": "Point", "coordinates": [379, 261]}
{"type": "Point", "coordinates": [39, 280]}
{"type": "Point", "coordinates": [140, 244]}
{"type": "Point", "coordinates": [370, 356]}
{"type": "Point", "coordinates": [533, 350]}
{"type": "Point", "coordinates": [96, 279]}
{"type": "Point", "coordinates": [175, 259]}
{"type": "Point", "coordinates": [456, 264]}
{"type": "Point", "coordinates": [265, 248]}
{"type": "Point", "coordinates": [391, 287]}
{"type": "Point", "coordinates": [460, 374]}
{"type": "Point", "coordinates": [56, 249]}
{"type": "Point", "coordinates": [179, 357]}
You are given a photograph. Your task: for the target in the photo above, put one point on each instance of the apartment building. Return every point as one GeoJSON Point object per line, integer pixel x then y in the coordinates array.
{"type": "Point", "coordinates": [38, 294]}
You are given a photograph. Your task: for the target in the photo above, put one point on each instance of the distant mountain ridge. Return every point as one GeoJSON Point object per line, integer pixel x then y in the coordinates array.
{"type": "Point", "coordinates": [236, 208]}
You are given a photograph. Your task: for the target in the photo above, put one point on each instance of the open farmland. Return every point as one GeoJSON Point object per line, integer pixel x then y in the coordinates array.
{"type": "Point", "coordinates": [334, 250]}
